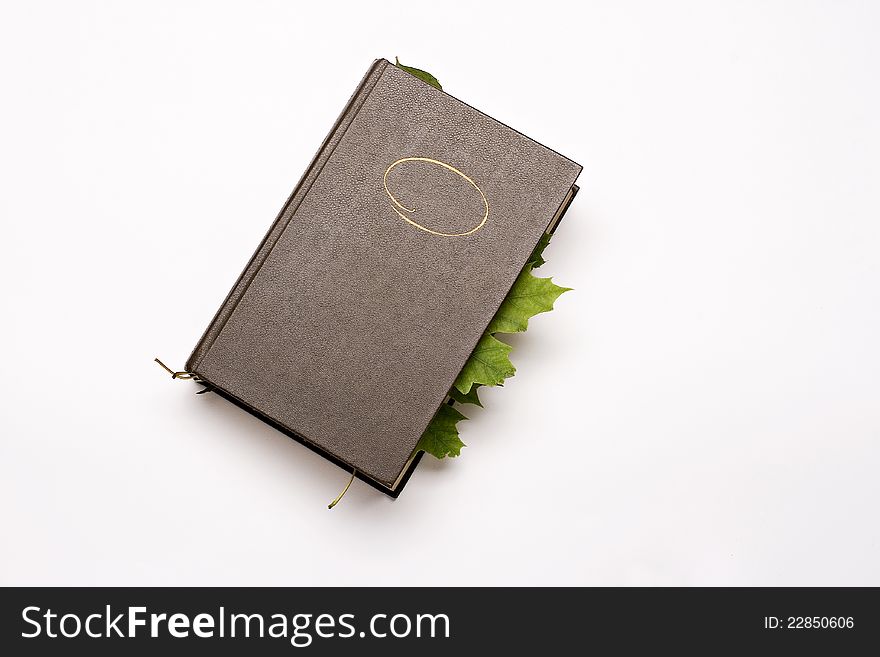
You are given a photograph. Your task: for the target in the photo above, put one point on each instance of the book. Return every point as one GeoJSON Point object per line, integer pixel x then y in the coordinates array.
{"type": "Point", "coordinates": [373, 285]}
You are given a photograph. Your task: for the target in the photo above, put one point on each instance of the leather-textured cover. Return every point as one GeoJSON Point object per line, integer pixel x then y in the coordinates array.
{"type": "Point", "coordinates": [375, 282]}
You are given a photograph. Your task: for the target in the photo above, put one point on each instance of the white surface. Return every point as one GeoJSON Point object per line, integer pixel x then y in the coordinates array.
{"type": "Point", "coordinates": [703, 409]}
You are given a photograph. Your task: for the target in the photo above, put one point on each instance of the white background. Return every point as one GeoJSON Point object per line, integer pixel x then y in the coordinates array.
{"type": "Point", "coordinates": [703, 409]}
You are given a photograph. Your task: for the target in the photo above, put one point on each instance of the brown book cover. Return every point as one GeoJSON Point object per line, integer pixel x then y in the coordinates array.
{"type": "Point", "coordinates": [372, 287]}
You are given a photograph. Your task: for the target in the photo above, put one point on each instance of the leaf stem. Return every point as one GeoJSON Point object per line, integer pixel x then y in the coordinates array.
{"type": "Point", "coordinates": [344, 491]}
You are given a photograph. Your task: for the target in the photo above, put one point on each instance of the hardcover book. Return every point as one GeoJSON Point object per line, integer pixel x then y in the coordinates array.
{"type": "Point", "coordinates": [372, 287]}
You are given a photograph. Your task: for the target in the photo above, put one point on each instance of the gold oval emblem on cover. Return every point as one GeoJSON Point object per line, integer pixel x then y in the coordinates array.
{"type": "Point", "coordinates": [398, 206]}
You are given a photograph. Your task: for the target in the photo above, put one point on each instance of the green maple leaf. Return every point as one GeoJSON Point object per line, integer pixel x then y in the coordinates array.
{"type": "Point", "coordinates": [528, 297]}
{"type": "Point", "coordinates": [419, 73]}
{"type": "Point", "coordinates": [537, 258]}
{"type": "Point", "coordinates": [441, 437]}
{"type": "Point", "coordinates": [488, 365]}
{"type": "Point", "coordinates": [470, 398]}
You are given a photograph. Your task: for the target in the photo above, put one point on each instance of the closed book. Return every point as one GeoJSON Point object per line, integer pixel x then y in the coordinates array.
{"type": "Point", "coordinates": [372, 287]}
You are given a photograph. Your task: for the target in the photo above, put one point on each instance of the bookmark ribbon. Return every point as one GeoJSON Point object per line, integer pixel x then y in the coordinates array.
{"type": "Point", "coordinates": [184, 376]}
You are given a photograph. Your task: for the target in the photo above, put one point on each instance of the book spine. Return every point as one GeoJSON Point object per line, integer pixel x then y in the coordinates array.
{"type": "Point", "coordinates": [287, 212]}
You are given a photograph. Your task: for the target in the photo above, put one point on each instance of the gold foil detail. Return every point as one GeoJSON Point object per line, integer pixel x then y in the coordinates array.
{"type": "Point", "coordinates": [398, 206]}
